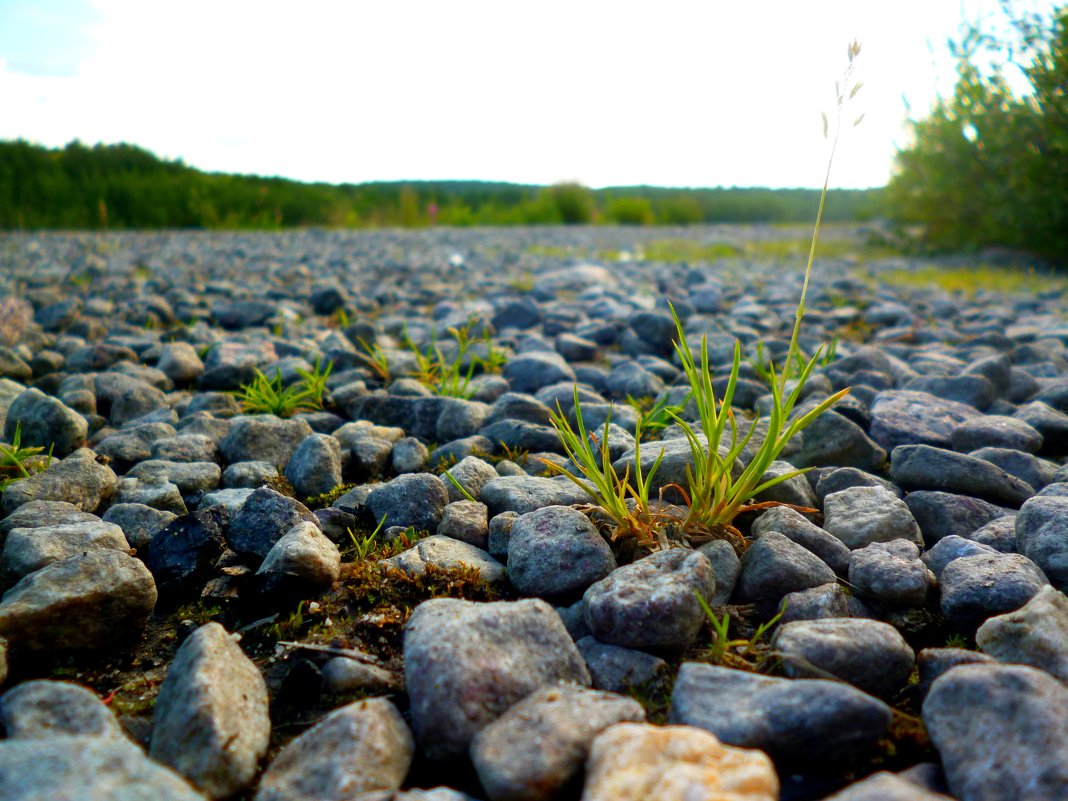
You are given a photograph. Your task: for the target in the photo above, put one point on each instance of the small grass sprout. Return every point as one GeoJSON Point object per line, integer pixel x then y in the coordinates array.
{"type": "Point", "coordinates": [18, 462]}
{"type": "Point", "coordinates": [736, 653]}
{"type": "Point", "coordinates": [459, 487]}
{"type": "Point", "coordinates": [269, 396]}
{"type": "Point", "coordinates": [451, 376]}
{"type": "Point", "coordinates": [656, 415]}
{"type": "Point", "coordinates": [362, 547]}
{"type": "Point", "coordinates": [376, 358]}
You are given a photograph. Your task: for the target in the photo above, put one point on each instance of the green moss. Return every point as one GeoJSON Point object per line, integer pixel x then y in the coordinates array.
{"type": "Point", "coordinates": [325, 499]}
{"type": "Point", "coordinates": [967, 281]}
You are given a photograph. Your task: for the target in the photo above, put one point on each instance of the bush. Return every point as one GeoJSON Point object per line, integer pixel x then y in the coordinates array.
{"type": "Point", "coordinates": [989, 167]}
{"type": "Point", "coordinates": [630, 211]}
{"type": "Point", "coordinates": [573, 203]}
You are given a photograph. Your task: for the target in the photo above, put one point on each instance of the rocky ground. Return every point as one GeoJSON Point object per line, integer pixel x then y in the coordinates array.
{"type": "Point", "coordinates": [203, 601]}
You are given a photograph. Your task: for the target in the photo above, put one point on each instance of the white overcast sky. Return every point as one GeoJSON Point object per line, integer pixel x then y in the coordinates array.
{"type": "Point", "coordinates": [669, 93]}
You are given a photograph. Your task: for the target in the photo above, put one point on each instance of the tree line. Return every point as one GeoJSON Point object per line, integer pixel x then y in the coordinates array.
{"type": "Point", "coordinates": [126, 187]}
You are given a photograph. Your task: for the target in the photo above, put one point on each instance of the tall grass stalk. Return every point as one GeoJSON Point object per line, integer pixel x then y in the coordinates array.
{"type": "Point", "coordinates": [717, 491]}
{"type": "Point", "coordinates": [716, 497]}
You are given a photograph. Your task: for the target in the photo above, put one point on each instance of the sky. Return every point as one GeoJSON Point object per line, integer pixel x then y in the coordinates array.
{"type": "Point", "coordinates": [671, 93]}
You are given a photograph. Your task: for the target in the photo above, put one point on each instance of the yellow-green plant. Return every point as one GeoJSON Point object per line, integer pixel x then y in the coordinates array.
{"type": "Point", "coordinates": [449, 376]}
{"type": "Point", "coordinates": [626, 504]}
{"type": "Point", "coordinates": [14, 458]}
{"type": "Point", "coordinates": [376, 358]}
{"type": "Point", "coordinates": [722, 649]}
{"type": "Point", "coordinates": [269, 395]}
{"type": "Point", "coordinates": [362, 547]}
{"type": "Point", "coordinates": [656, 415]}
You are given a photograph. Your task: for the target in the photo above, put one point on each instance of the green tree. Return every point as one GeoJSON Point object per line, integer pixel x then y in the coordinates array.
{"type": "Point", "coordinates": [989, 166]}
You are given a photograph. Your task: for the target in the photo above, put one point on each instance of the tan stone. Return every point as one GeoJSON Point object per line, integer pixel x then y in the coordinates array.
{"type": "Point", "coordinates": [635, 762]}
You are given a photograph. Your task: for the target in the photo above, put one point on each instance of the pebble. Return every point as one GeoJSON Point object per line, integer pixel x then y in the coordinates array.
{"type": "Point", "coordinates": [83, 602]}
{"type": "Point", "coordinates": [87, 768]}
{"type": "Point", "coordinates": [1042, 536]}
{"type": "Point", "coordinates": [620, 670]}
{"type": "Point", "coordinates": [360, 748]}
{"type": "Point", "coordinates": [315, 466]}
{"type": "Point", "coordinates": [45, 422]}
{"type": "Point", "coordinates": [891, 573]}
{"type": "Point", "coordinates": [885, 786]}
{"type": "Point", "coordinates": [556, 552]}
{"type": "Point", "coordinates": [412, 499]}
{"type": "Point", "coordinates": [774, 566]}
{"type": "Point", "coordinates": [793, 525]}
{"type": "Point", "coordinates": [211, 722]}
{"type": "Point", "coordinates": [262, 520]}
{"type": "Point", "coordinates": [27, 550]}
{"type": "Point", "coordinates": [869, 654]}
{"type": "Point", "coordinates": [860, 516]}
{"type": "Point", "coordinates": [651, 603]}
{"type": "Point", "coordinates": [922, 467]}
{"type": "Point", "coordinates": [447, 645]}
{"type": "Point", "coordinates": [977, 587]}
{"type": "Point", "coordinates": [37, 710]}
{"type": "Point", "coordinates": [304, 562]}
{"type": "Point", "coordinates": [446, 553]}
{"type": "Point", "coordinates": [976, 715]}
{"type": "Point", "coordinates": [80, 479]}
{"type": "Point", "coordinates": [1036, 634]}
{"type": "Point", "coordinates": [540, 745]}
{"type": "Point", "coordinates": [795, 721]}
{"type": "Point", "coordinates": [633, 762]}
{"type": "Point", "coordinates": [940, 514]}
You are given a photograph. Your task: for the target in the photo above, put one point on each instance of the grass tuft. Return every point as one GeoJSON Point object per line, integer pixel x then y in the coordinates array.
{"type": "Point", "coordinates": [17, 462]}
{"type": "Point", "coordinates": [269, 396]}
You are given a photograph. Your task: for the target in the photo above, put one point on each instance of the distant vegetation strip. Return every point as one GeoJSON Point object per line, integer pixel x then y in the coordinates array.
{"type": "Point", "coordinates": [126, 187]}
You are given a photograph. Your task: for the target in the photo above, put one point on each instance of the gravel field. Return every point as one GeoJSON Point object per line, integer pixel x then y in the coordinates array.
{"type": "Point", "coordinates": [287, 521]}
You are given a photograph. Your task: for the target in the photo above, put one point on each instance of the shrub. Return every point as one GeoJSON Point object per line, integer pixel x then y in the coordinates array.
{"type": "Point", "coordinates": [988, 166]}
{"type": "Point", "coordinates": [572, 202]}
{"type": "Point", "coordinates": [630, 211]}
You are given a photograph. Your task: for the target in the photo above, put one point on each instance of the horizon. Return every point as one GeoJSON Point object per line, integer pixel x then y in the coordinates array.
{"type": "Point", "coordinates": [606, 95]}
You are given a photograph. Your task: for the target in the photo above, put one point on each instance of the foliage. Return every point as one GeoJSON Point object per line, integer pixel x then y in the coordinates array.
{"type": "Point", "coordinates": [269, 396]}
{"type": "Point", "coordinates": [327, 498]}
{"type": "Point", "coordinates": [989, 166]}
{"type": "Point", "coordinates": [630, 211]}
{"type": "Point", "coordinates": [573, 203]}
{"type": "Point", "coordinates": [17, 462]}
{"type": "Point", "coordinates": [126, 187]}
{"type": "Point", "coordinates": [362, 547]}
